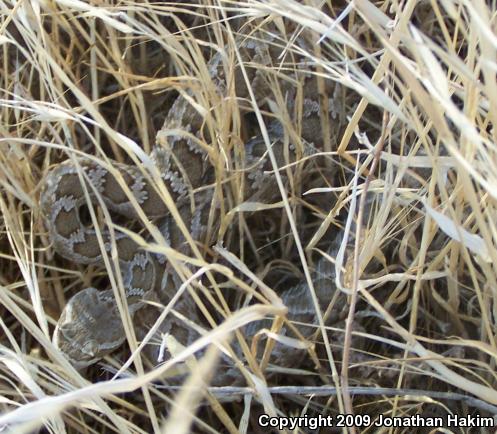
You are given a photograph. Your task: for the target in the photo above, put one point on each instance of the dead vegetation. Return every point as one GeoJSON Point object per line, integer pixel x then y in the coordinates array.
{"type": "Point", "coordinates": [419, 78]}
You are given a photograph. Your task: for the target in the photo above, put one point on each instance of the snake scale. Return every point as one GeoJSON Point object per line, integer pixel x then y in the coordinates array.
{"type": "Point", "coordinates": [90, 325]}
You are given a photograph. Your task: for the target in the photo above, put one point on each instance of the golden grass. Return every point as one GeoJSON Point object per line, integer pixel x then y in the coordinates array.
{"type": "Point", "coordinates": [81, 79]}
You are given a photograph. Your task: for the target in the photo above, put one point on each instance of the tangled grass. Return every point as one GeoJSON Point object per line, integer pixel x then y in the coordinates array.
{"type": "Point", "coordinates": [97, 78]}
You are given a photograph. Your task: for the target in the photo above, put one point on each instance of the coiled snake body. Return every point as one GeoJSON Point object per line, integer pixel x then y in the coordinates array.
{"type": "Point", "coordinates": [91, 326]}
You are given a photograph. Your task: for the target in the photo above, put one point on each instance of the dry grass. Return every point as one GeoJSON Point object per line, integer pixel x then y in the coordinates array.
{"type": "Point", "coordinates": [97, 80]}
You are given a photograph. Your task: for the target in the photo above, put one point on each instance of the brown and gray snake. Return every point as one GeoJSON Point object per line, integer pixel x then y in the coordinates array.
{"type": "Point", "coordinates": [90, 326]}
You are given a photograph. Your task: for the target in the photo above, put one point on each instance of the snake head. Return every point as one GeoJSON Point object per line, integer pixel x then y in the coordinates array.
{"type": "Point", "coordinates": [89, 328]}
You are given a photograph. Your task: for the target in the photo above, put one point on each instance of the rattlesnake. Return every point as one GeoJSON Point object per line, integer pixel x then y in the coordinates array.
{"type": "Point", "coordinates": [91, 326]}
